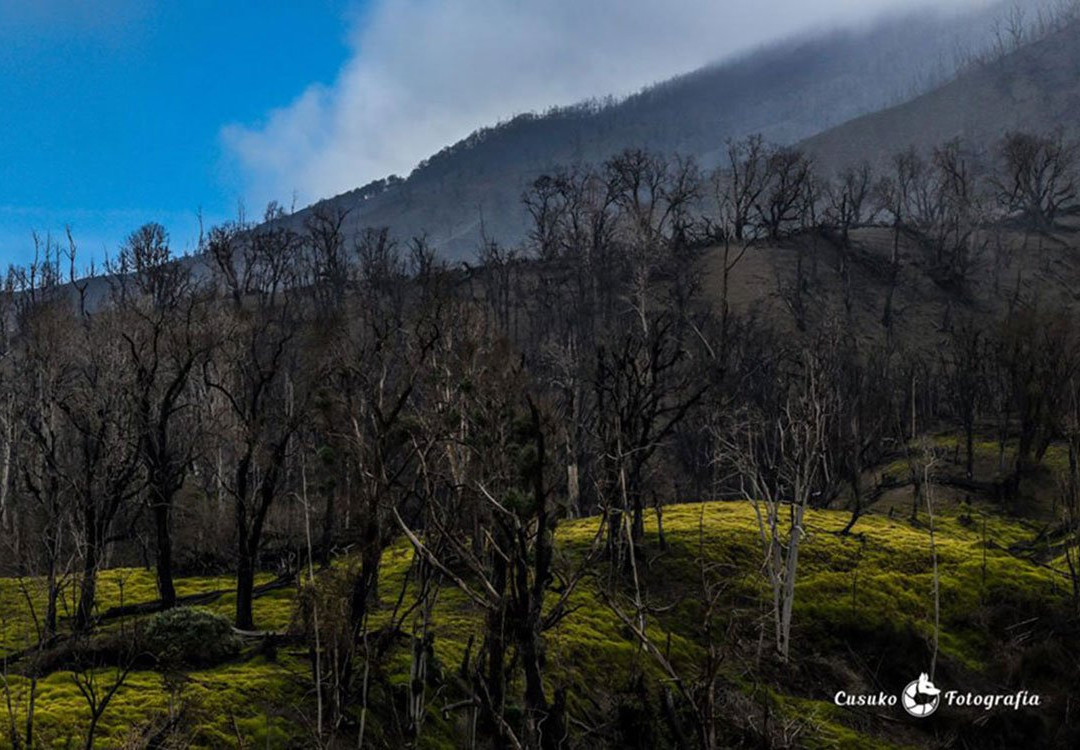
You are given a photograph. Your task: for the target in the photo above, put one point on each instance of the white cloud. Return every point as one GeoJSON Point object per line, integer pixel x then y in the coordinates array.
{"type": "Point", "coordinates": [425, 73]}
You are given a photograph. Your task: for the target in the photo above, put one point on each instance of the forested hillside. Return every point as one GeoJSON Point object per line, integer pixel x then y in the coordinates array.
{"type": "Point", "coordinates": [786, 92]}
{"type": "Point", "coordinates": [704, 447]}
{"type": "Point", "coordinates": [437, 504]}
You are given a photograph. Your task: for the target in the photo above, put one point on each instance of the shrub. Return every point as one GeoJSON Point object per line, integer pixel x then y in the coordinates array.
{"type": "Point", "coordinates": [190, 636]}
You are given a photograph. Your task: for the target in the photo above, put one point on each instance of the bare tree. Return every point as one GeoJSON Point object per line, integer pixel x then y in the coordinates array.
{"type": "Point", "coordinates": [376, 367]}
{"type": "Point", "coordinates": [545, 204]}
{"type": "Point", "coordinates": [655, 197]}
{"type": "Point", "coordinates": [895, 196]}
{"type": "Point", "coordinates": [510, 570]}
{"type": "Point", "coordinates": [697, 686]}
{"type": "Point", "coordinates": [1036, 352]}
{"type": "Point", "coordinates": [955, 227]}
{"type": "Point", "coordinates": [1037, 177]}
{"type": "Point", "coordinates": [737, 186]}
{"type": "Point", "coordinates": [1069, 486]}
{"type": "Point", "coordinates": [963, 366]}
{"type": "Point", "coordinates": [746, 174]}
{"type": "Point", "coordinates": [782, 203]}
{"type": "Point", "coordinates": [98, 687]}
{"type": "Point", "coordinates": [779, 461]}
{"type": "Point", "coordinates": [643, 391]}
{"type": "Point", "coordinates": [162, 309]}
{"type": "Point", "coordinates": [847, 200]}
{"type": "Point", "coordinates": [259, 391]}
{"type": "Point", "coordinates": [100, 454]}
{"type": "Point", "coordinates": [41, 317]}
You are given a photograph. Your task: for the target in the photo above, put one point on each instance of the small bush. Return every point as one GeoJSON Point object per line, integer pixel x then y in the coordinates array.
{"type": "Point", "coordinates": [190, 637]}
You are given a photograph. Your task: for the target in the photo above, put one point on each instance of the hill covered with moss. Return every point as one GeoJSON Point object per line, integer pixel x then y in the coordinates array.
{"type": "Point", "coordinates": [863, 624]}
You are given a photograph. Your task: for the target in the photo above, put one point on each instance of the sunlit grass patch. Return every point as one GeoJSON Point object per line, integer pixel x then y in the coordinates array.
{"type": "Point", "coordinates": [876, 582]}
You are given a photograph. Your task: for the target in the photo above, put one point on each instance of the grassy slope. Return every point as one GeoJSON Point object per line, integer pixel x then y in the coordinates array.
{"type": "Point", "coordinates": [860, 599]}
{"type": "Point", "coordinates": [870, 593]}
{"type": "Point", "coordinates": [221, 701]}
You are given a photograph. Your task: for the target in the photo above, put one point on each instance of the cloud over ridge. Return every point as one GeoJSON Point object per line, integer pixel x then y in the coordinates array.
{"type": "Point", "coordinates": [425, 73]}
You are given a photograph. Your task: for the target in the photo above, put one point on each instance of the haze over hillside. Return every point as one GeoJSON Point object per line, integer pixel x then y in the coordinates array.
{"type": "Point", "coordinates": [1036, 88]}
{"type": "Point", "coordinates": [787, 92]}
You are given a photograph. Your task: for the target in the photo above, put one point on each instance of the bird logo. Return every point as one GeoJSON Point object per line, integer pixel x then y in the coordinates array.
{"type": "Point", "coordinates": [920, 698]}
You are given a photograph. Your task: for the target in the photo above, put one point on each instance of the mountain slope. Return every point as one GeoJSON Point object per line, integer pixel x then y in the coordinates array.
{"type": "Point", "coordinates": [788, 92]}
{"type": "Point", "coordinates": [1036, 88]}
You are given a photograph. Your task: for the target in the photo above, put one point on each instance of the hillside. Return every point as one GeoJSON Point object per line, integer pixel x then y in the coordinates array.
{"type": "Point", "coordinates": [1035, 88]}
{"type": "Point", "coordinates": [863, 619]}
{"type": "Point", "coordinates": [1012, 270]}
{"type": "Point", "coordinates": [729, 460]}
{"type": "Point", "coordinates": [787, 92]}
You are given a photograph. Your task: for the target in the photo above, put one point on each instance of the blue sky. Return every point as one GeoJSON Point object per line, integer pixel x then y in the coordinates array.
{"type": "Point", "coordinates": [112, 115]}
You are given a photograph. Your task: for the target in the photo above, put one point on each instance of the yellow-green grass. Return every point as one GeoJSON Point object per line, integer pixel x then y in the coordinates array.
{"type": "Point", "coordinates": [245, 698]}
{"type": "Point", "coordinates": [23, 600]}
{"type": "Point", "coordinates": [878, 579]}
{"type": "Point", "coordinates": [886, 563]}
{"type": "Point", "coordinates": [987, 453]}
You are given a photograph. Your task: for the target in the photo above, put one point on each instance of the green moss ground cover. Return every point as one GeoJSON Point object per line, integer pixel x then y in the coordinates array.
{"type": "Point", "coordinates": [876, 582]}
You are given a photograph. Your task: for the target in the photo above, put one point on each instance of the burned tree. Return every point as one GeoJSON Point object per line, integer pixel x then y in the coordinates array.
{"type": "Point", "coordinates": [781, 205]}
{"type": "Point", "coordinates": [258, 389]}
{"type": "Point", "coordinates": [162, 308]}
{"type": "Point", "coordinates": [779, 463]}
{"type": "Point", "coordinates": [642, 390]}
{"type": "Point", "coordinates": [895, 196]}
{"type": "Point", "coordinates": [1036, 180]}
